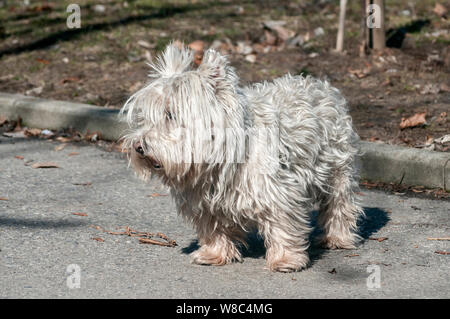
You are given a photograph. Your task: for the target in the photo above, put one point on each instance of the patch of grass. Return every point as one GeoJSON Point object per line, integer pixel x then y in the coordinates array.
{"type": "Point", "coordinates": [409, 88]}
{"type": "Point", "coordinates": [278, 13]}
{"type": "Point", "coordinates": [232, 33]}
{"type": "Point", "coordinates": [161, 43]}
{"type": "Point", "coordinates": [441, 40]}
{"type": "Point", "coordinates": [210, 37]}
{"type": "Point", "coordinates": [304, 71]}
{"type": "Point", "coordinates": [269, 73]}
{"type": "Point", "coordinates": [36, 67]}
{"type": "Point", "coordinates": [352, 34]}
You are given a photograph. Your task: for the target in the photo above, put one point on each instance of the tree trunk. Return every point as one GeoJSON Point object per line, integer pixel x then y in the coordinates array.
{"type": "Point", "coordinates": [340, 35]}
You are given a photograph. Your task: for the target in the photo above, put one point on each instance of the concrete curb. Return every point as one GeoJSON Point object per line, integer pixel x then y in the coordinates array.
{"type": "Point", "coordinates": [379, 162]}
{"type": "Point", "coordinates": [41, 113]}
{"type": "Point", "coordinates": [404, 165]}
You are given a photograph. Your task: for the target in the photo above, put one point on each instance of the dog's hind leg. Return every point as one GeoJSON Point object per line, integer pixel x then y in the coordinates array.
{"type": "Point", "coordinates": [339, 212]}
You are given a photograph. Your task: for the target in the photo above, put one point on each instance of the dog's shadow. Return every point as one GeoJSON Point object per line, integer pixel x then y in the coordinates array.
{"type": "Point", "coordinates": [374, 220]}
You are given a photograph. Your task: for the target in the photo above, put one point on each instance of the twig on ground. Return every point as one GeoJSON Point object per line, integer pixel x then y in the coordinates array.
{"type": "Point", "coordinates": [144, 237]}
{"type": "Point", "coordinates": [438, 238]}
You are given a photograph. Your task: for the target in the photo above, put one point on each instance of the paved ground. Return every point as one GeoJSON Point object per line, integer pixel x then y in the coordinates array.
{"type": "Point", "coordinates": [40, 238]}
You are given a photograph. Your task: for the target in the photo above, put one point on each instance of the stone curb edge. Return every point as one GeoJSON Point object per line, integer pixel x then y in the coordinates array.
{"type": "Point", "coordinates": [379, 162]}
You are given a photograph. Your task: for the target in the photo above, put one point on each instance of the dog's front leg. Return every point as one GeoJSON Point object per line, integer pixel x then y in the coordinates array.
{"type": "Point", "coordinates": [218, 242]}
{"type": "Point", "coordinates": [286, 241]}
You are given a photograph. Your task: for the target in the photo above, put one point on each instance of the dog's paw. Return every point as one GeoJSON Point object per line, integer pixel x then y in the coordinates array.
{"type": "Point", "coordinates": [216, 257]}
{"type": "Point", "coordinates": [289, 263]}
{"type": "Point", "coordinates": [333, 242]}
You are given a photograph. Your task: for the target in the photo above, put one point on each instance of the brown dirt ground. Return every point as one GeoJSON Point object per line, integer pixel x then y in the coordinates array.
{"type": "Point", "coordinates": [102, 63]}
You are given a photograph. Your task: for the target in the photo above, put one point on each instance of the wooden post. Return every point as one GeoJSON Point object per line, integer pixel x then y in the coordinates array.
{"type": "Point", "coordinates": [379, 34]}
{"type": "Point", "coordinates": [340, 35]}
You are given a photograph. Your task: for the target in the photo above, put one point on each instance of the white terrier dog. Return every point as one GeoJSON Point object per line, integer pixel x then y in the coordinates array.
{"type": "Point", "coordinates": [237, 159]}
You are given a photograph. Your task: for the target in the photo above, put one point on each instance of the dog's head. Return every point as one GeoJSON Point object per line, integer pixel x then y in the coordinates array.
{"type": "Point", "coordinates": [177, 121]}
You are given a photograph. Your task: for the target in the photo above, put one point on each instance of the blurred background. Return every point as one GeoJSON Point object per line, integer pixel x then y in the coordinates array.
{"type": "Point", "coordinates": [104, 61]}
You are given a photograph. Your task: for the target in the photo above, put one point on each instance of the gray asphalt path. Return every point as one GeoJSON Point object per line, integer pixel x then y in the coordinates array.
{"type": "Point", "coordinates": [40, 237]}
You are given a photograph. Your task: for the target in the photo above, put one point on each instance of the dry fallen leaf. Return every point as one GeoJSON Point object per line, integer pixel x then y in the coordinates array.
{"type": "Point", "coordinates": [367, 184]}
{"type": "Point", "coordinates": [270, 39]}
{"type": "Point", "coordinates": [40, 8]}
{"type": "Point", "coordinates": [361, 73]}
{"type": "Point", "coordinates": [15, 134]}
{"type": "Point", "coordinates": [157, 195]}
{"type": "Point", "coordinates": [352, 255]}
{"type": "Point", "coordinates": [283, 33]}
{"type": "Point", "coordinates": [443, 139]}
{"type": "Point", "coordinates": [98, 239]}
{"type": "Point", "coordinates": [430, 89]}
{"type": "Point", "coordinates": [440, 252]}
{"type": "Point", "coordinates": [73, 153]}
{"type": "Point", "coordinates": [417, 119]}
{"type": "Point", "coordinates": [440, 10]}
{"type": "Point", "coordinates": [70, 79]}
{"type": "Point", "coordinates": [45, 165]}
{"type": "Point", "coordinates": [19, 157]}
{"type": "Point", "coordinates": [148, 56]}
{"type": "Point", "coordinates": [119, 148]}
{"type": "Point", "coordinates": [92, 137]}
{"type": "Point", "coordinates": [438, 238]}
{"type": "Point", "coordinates": [197, 45]}
{"type": "Point", "coordinates": [379, 239]}
{"type": "Point", "coordinates": [3, 198]}
{"type": "Point", "coordinates": [43, 61]}
{"type": "Point", "coordinates": [80, 214]}
{"type": "Point", "coordinates": [32, 132]}
{"type": "Point", "coordinates": [63, 139]}
{"type": "Point", "coordinates": [3, 120]}
{"type": "Point", "coordinates": [146, 45]}
{"type": "Point", "coordinates": [277, 27]}
{"type": "Point", "coordinates": [250, 58]}
{"type": "Point", "coordinates": [60, 147]}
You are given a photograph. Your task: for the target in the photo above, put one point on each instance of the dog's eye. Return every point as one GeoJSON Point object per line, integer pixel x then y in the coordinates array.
{"type": "Point", "coordinates": [169, 115]}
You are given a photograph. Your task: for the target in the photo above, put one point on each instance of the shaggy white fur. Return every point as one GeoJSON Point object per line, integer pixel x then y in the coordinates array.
{"type": "Point", "coordinates": [239, 158]}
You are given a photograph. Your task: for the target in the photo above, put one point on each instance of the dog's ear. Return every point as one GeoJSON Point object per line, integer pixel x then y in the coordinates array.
{"type": "Point", "coordinates": [213, 64]}
{"type": "Point", "coordinates": [215, 69]}
{"type": "Point", "coordinates": [176, 59]}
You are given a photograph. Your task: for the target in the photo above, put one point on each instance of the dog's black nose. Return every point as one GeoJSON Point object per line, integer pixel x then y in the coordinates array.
{"type": "Point", "coordinates": [138, 148]}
